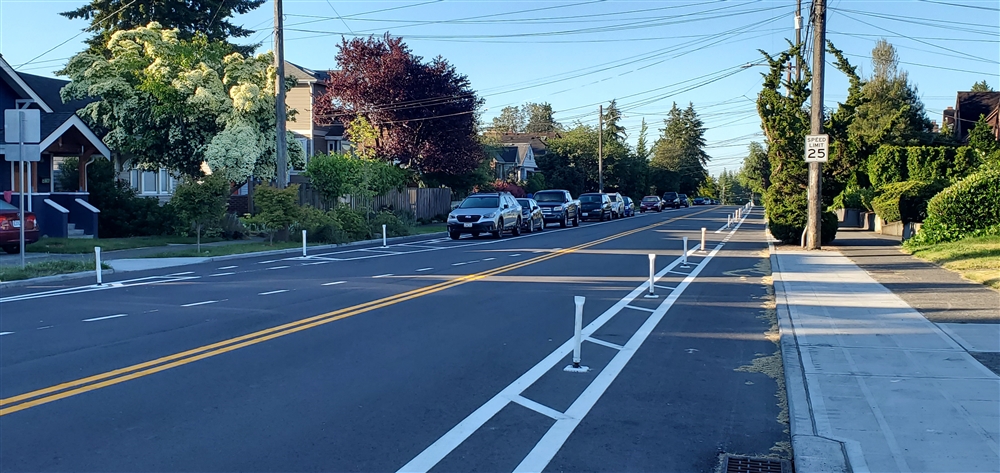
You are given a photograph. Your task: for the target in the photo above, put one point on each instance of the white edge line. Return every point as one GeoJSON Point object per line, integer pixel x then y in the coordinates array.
{"type": "Point", "coordinates": [424, 269]}
{"type": "Point", "coordinates": [5, 333]}
{"type": "Point", "coordinates": [268, 293]}
{"type": "Point", "coordinates": [227, 267]}
{"type": "Point", "coordinates": [278, 267]}
{"type": "Point", "coordinates": [95, 319]}
{"type": "Point", "coordinates": [604, 343]}
{"type": "Point", "coordinates": [221, 274]}
{"type": "Point", "coordinates": [181, 274]}
{"type": "Point", "coordinates": [537, 407]}
{"type": "Point", "coordinates": [644, 309]}
{"type": "Point", "coordinates": [334, 283]}
{"type": "Point", "coordinates": [382, 276]}
{"type": "Point", "coordinates": [268, 261]}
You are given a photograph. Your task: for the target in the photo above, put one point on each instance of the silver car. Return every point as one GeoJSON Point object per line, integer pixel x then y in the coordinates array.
{"type": "Point", "coordinates": [493, 212]}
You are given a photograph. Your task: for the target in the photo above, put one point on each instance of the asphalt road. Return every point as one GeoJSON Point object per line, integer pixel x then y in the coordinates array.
{"type": "Point", "coordinates": [432, 355]}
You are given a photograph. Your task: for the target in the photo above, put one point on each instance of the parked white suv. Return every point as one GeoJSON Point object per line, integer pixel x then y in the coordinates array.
{"type": "Point", "coordinates": [482, 212]}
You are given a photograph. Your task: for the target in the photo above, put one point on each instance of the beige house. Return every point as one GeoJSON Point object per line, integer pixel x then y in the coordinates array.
{"type": "Point", "coordinates": [309, 87]}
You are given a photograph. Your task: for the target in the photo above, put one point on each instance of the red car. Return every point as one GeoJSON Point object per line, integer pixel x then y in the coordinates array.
{"type": "Point", "coordinates": [10, 228]}
{"type": "Point", "coordinates": [651, 203]}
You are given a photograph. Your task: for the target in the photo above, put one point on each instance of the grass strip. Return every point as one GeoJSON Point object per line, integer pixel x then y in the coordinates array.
{"type": "Point", "coordinates": [45, 268]}
{"type": "Point", "coordinates": [976, 259]}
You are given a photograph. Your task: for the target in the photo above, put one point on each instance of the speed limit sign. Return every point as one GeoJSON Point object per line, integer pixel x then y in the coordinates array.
{"type": "Point", "coordinates": [817, 148]}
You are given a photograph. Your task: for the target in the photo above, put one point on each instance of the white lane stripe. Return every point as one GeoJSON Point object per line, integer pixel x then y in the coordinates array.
{"type": "Point", "coordinates": [268, 261]}
{"type": "Point", "coordinates": [198, 303]}
{"type": "Point", "coordinates": [181, 274]}
{"type": "Point", "coordinates": [268, 293]}
{"type": "Point", "coordinates": [538, 407]}
{"type": "Point", "coordinates": [313, 264]}
{"type": "Point", "coordinates": [95, 319]}
{"type": "Point", "coordinates": [515, 254]}
{"type": "Point", "coordinates": [227, 267]}
{"type": "Point", "coordinates": [640, 308]}
{"type": "Point", "coordinates": [604, 343]}
{"type": "Point", "coordinates": [424, 269]}
{"type": "Point", "coordinates": [221, 274]}
{"type": "Point", "coordinates": [668, 288]}
{"type": "Point", "coordinates": [334, 283]}
{"type": "Point", "coordinates": [5, 333]}
{"type": "Point", "coordinates": [278, 267]}
{"type": "Point", "coordinates": [489, 259]}
{"type": "Point", "coordinates": [382, 276]}
{"type": "Point", "coordinates": [458, 264]}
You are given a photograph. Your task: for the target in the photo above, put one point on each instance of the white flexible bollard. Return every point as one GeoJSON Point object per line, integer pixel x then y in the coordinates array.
{"type": "Point", "coordinates": [577, 337]}
{"type": "Point", "coordinates": [97, 258]}
{"type": "Point", "coordinates": [652, 271]}
{"type": "Point", "coordinates": [702, 239]}
{"type": "Point", "coordinates": [383, 236]}
{"type": "Point", "coordinates": [729, 221]}
{"type": "Point", "coordinates": [303, 243]}
{"type": "Point", "coordinates": [684, 255]}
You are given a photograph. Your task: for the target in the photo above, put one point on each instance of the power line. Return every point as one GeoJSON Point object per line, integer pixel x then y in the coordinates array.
{"type": "Point", "coordinates": [961, 5]}
{"type": "Point", "coordinates": [75, 36]}
{"type": "Point", "coordinates": [917, 40]}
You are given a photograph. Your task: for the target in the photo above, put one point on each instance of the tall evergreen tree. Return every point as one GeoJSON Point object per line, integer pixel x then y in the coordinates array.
{"type": "Point", "coordinates": [641, 147]}
{"type": "Point", "coordinates": [981, 86]}
{"type": "Point", "coordinates": [510, 120]}
{"type": "Point", "coordinates": [540, 119]}
{"type": "Point", "coordinates": [680, 149]}
{"type": "Point", "coordinates": [613, 130]}
{"type": "Point", "coordinates": [208, 17]}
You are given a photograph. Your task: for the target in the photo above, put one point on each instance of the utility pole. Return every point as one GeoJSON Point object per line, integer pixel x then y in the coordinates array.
{"type": "Point", "coordinates": [600, 148]}
{"type": "Point", "coordinates": [813, 227]}
{"type": "Point", "coordinates": [281, 148]}
{"type": "Point", "coordinates": [798, 39]}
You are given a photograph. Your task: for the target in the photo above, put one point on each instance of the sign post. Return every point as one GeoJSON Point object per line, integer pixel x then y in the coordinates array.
{"type": "Point", "coordinates": [817, 152]}
{"type": "Point", "coordinates": [22, 126]}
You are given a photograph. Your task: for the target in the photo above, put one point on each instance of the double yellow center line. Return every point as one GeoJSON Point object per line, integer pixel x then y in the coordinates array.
{"type": "Point", "coordinates": [110, 378]}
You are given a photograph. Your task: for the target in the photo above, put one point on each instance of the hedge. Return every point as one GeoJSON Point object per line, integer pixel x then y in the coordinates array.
{"type": "Point", "coordinates": [854, 198]}
{"type": "Point", "coordinates": [905, 201]}
{"type": "Point", "coordinates": [970, 207]}
{"type": "Point", "coordinates": [892, 164]}
{"type": "Point", "coordinates": [887, 165]}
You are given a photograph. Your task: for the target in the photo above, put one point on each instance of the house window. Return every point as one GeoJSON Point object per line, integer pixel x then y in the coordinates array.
{"type": "Point", "coordinates": [333, 146]}
{"type": "Point", "coordinates": [152, 182]}
{"type": "Point", "coordinates": [65, 176]}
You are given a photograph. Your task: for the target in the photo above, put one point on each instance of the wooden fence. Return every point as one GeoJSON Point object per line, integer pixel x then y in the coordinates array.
{"type": "Point", "coordinates": [423, 202]}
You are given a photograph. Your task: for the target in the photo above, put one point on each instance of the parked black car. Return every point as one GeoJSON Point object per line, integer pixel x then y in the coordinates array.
{"type": "Point", "coordinates": [671, 199]}
{"type": "Point", "coordinates": [595, 206]}
{"type": "Point", "coordinates": [531, 216]}
{"type": "Point", "coordinates": [683, 199]}
{"type": "Point", "coordinates": [558, 206]}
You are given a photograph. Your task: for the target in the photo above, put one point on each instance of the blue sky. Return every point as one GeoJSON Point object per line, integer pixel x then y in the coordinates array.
{"type": "Point", "coordinates": [576, 54]}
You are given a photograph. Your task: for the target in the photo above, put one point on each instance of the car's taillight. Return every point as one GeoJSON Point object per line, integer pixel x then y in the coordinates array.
{"type": "Point", "coordinates": [30, 222]}
{"type": "Point", "coordinates": [4, 223]}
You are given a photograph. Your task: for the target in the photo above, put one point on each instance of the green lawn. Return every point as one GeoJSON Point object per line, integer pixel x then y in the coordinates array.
{"type": "Point", "coordinates": [86, 245]}
{"type": "Point", "coordinates": [977, 259]}
{"type": "Point", "coordinates": [45, 268]}
{"type": "Point", "coordinates": [429, 228]}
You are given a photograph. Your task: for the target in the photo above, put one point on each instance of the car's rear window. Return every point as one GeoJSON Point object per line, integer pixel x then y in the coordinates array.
{"type": "Point", "coordinates": [524, 203]}
{"type": "Point", "coordinates": [6, 206]}
{"type": "Point", "coordinates": [483, 202]}
{"type": "Point", "coordinates": [591, 198]}
{"type": "Point", "coordinates": [650, 199]}
{"type": "Point", "coordinates": [550, 197]}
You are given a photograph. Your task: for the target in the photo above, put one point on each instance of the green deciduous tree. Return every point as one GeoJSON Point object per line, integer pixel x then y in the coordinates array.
{"type": "Point", "coordinates": [277, 208]}
{"type": "Point", "coordinates": [539, 118]}
{"type": "Point", "coordinates": [168, 102]}
{"type": "Point", "coordinates": [510, 120]}
{"type": "Point", "coordinates": [337, 174]}
{"type": "Point", "coordinates": [200, 205]}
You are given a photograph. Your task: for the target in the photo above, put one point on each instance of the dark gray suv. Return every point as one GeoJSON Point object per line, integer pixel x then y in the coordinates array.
{"type": "Point", "coordinates": [493, 212]}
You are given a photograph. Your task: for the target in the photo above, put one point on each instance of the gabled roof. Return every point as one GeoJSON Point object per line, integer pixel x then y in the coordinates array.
{"type": "Point", "coordinates": [507, 154]}
{"type": "Point", "coordinates": [304, 74]}
{"type": "Point", "coordinates": [970, 105]}
{"type": "Point", "coordinates": [536, 140]}
{"type": "Point", "coordinates": [16, 82]}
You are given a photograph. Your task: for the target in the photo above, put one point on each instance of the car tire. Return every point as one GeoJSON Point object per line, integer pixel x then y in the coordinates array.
{"type": "Point", "coordinates": [531, 226]}
{"type": "Point", "coordinates": [498, 233]}
{"type": "Point", "coordinates": [12, 249]}
{"type": "Point", "coordinates": [455, 235]}
{"type": "Point", "coordinates": [517, 229]}
{"type": "Point", "coordinates": [576, 220]}
{"type": "Point", "coordinates": [565, 221]}
{"type": "Point", "coordinates": [541, 227]}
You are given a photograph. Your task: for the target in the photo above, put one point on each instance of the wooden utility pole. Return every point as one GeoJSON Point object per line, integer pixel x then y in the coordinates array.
{"type": "Point", "coordinates": [813, 226]}
{"type": "Point", "coordinates": [798, 39]}
{"type": "Point", "coordinates": [281, 147]}
{"type": "Point", "coordinates": [600, 148]}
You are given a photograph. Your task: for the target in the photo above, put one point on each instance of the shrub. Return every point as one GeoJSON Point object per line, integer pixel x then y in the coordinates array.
{"type": "Point", "coordinates": [854, 198]}
{"type": "Point", "coordinates": [200, 205]}
{"type": "Point", "coordinates": [905, 201]}
{"type": "Point", "coordinates": [928, 163]}
{"type": "Point", "coordinates": [232, 227]}
{"type": "Point", "coordinates": [320, 226]}
{"type": "Point", "coordinates": [887, 165]}
{"type": "Point", "coordinates": [277, 208]}
{"type": "Point", "coordinates": [965, 162]}
{"type": "Point", "coordinates": [790, 231]}
{"type": "Point", "coordinates": [123, 213]}
{"type": "Point", "coordinates": [514, 189]}
{"type": "Point", "coordinates": [536, 182]}
{"type": "Point", "coordinates": [970, 207]}
{"type": "Point", "coordinates": [393, 225]}
{"type": "Point", "coordinates": [352, 223]}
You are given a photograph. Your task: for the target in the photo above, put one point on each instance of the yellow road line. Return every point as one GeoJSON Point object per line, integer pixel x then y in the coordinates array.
{"type": "Point", "coordinates": [113, 377]}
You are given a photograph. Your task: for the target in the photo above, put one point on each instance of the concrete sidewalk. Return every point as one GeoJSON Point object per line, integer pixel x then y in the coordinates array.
{"type": "Point", "coordinates": [872, 384]}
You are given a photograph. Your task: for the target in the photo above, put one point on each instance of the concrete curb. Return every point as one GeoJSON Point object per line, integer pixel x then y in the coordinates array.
{"type": "Point", "coordinates": [811, 452]}
{"type": "Point", "coordinates": [55, 278]}
{"type": "Point", "coordinates": [61, 277]}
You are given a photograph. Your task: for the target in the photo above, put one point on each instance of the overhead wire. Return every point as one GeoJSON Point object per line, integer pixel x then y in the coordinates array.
{"type": "Point", "coordinates": [74, 36]}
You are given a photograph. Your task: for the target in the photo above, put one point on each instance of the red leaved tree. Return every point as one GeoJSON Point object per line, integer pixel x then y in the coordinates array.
{"type": "Point", "coordinates": [400, 108]}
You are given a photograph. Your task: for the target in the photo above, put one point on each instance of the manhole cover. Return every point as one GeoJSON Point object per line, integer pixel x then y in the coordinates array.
{"type": "Point", "coordinates": [741, 464]}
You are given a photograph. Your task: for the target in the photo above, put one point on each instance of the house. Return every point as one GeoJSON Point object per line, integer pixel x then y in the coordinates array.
{"type": "Point", "coordinates": [310, 86]}
{"type": "Point", "coordinates": [968, 107]}
{"type": "Point", "coordinates": [537, 141]}
{"type": "Point", "coordinates": [59, 192]}
{"type": "Point", "coordinates": [515, 161]}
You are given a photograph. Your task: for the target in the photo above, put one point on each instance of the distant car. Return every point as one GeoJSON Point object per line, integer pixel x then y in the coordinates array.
{"type": "Point", "coordinates": [699, 201]}
{"type": "Point", "coordinates": [595, 206]}
{"type": "Point", "coordinates": [558, 206]}
{"type": "Point", "coordinates": [629, 207]}
{"type": "Point", "coordinates": [10, 228]}
{"type": "Point", "coordinates": [531, 216]}
{"type": "Point", "coordinates": [671, 199]}
{"type": "Point", "coordinates": [683, 199]}
{"type": "Point", "coordinates": [493, 212]}
{"type": "Point", "coordinates": [617, 205]}
{"type": "Point", "coordinates": [651, 203]}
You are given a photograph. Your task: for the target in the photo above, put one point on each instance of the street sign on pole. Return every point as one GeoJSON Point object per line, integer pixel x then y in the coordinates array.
{"type": "Point", "coordinates": [23, 152]}
{"type": "Point", "coordinates": [817, 148]}
{"type": "Point", "coordinates": [15, 119]}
